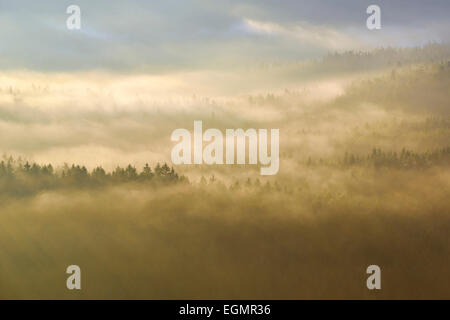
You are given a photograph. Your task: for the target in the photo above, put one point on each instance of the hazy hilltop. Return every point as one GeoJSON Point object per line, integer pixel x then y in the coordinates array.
{"type": "Point", "coordinates": [351, 61]}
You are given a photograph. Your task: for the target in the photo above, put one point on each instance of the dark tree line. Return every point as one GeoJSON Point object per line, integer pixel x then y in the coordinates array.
{"type": "Point", "coordinates": [406, 159]}
{"type": "Point", "coordinates": [22, 178]}
{"type": "Point", "coordinates": [403, 159]}
{"type": "Point", "coordinates": [386, 57]}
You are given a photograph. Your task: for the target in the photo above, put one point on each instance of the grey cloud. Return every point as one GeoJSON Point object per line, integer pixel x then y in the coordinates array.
{"type": "Point", "coordinates": [164, 35]}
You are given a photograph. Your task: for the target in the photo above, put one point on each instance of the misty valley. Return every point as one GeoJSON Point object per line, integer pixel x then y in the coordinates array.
{"type": "Point", "coordinates": [335, 164]}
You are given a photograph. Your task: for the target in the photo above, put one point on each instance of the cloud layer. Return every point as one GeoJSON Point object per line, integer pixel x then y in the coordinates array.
{"type": "Point", "coordinates": [172, 35]}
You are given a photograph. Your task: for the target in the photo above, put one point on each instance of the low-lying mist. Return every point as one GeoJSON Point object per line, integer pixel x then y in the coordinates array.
{"type": "Point", "coordinates": [313, 239]}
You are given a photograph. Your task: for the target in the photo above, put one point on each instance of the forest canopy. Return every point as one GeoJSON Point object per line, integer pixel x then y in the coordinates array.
{"type": "Point", "coordinates": [21, 178]}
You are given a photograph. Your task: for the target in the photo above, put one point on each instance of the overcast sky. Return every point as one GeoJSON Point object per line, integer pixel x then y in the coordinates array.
{"type": "Point", "coordinates": [145, 35]}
